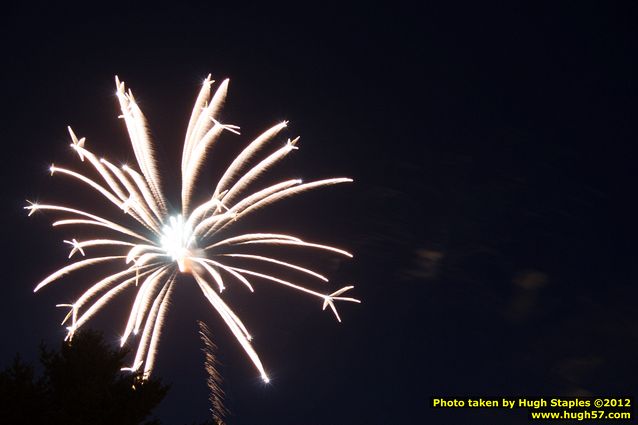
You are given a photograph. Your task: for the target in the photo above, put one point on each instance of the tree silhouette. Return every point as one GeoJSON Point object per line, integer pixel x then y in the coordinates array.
{"type": "Point", "coordinates": [81, 384]}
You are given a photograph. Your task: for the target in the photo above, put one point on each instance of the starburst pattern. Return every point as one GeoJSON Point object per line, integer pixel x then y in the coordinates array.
{"type": "Point", "coordinates": [194, 241]}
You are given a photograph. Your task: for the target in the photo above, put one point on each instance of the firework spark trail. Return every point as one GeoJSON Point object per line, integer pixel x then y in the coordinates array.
{"type": "Point", "coordinates": [156, 326]}
{"type": "Point", "coordinates": [132, 201]}
{"type": "Point", "coordinates": [140, 140]}
{"type": "Point", "coordinates": [282, 263]}
{"type": "Point", "coordinates": [257, 170]}
{"type": "Point", "coordinates": [245, 156]}
{"type": "Point", "coordinates": [189, 242]}
{"type": "Point", "coordinates": [214, 378]}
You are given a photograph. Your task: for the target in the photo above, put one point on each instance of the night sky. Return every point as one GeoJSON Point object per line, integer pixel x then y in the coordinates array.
{"type": "Point", "coordinates": [491, 216]}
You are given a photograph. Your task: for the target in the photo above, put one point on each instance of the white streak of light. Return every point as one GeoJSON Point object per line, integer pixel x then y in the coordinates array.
{"type": "Point", "coordinates": [72, 267]}
{"type": "Point", "coordinates": [222, 309]}
{"type": "Point", "coordinates": [282, 263]}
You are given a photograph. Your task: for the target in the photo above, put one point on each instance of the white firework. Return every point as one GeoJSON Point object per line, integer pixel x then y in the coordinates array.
{"type": "Point", "coordinates": [150, 257]}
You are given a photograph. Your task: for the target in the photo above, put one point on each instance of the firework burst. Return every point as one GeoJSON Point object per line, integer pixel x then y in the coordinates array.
{"type": "Point", "coordinates": [162, 245]}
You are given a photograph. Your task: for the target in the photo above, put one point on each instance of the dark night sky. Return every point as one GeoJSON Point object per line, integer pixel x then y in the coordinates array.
{"type": "Point", "coordinates": [491, 215]}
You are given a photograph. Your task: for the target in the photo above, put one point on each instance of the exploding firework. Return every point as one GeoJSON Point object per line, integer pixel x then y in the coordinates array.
{"type": "Point", "coordinates": [162, 245]}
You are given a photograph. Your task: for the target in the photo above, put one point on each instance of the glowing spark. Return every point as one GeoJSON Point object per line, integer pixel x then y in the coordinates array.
{"type": "Point", "coordinates": [77, 144]}
{"type": "Point", "coordinates": [189, 242]}
{"type": "Point", "coordinates": [76, 247]}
